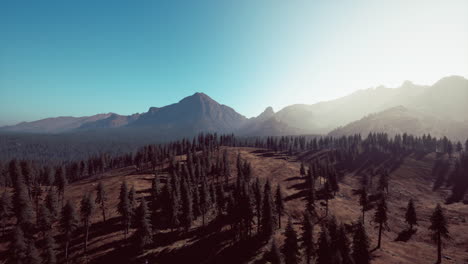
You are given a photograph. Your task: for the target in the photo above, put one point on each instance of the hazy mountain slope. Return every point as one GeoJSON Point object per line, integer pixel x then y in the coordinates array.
{"type": "Point", "coordinates": [54, 124]}
{"type": "Point", "coordinates": [113, 121]}
{"type": "Point", "coordinates": [398, 120]}
{"type": "Point", "coordinates": [445, 99]}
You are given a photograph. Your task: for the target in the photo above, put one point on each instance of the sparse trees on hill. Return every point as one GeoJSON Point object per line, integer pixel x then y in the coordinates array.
{"type": "Point", "coordinates": [68, 224]}
{"type": "Point", "coordinates": [360, 252]}
{"type": "Point", "coordinates": [380, 217]}
{"type": "Point", "coordinates": [439, 228]}
{"type": "Point", "coordinates": [410, 216]}
{"type": "Point", "coordinates": [290, 247]}
{"type": "Point", "coordinates": [101, 199]}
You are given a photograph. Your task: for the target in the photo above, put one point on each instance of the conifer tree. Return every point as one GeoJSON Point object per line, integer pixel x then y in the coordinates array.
{"type": "Point", "coordinates": [86, 211]}
{"type": "Point", "coordinates": [439, 229]}
{"type": "Point", "coordinates": [302, 170]}
{"type": "Point", "coordinates": [324, 252]}
{"type": "Point", "coordinates": [143, 233]}
{"type": "Point", "coordinates": [187, 209]}
{"type": "Point", "coordinates": [174, 208]}
{"type": "Point", "coordinates": [383, 182]}
{"type": "Point", "coordinates": [310, 202]}
{"type": "Point", "coordinates": [44, 220]}
{"type": "Point", "coordinates": [32, 255]}
{"type": "Point", "coordinates": [124, 208]}
{"type": "Point", "coordinates": [268, 218]}
{"type": "Point", "coordinates": [290, 247]}
{"type": "Point", "coordinates": [327, 193]}
{"type": "Point", "coordinates": [380, 217]}
{"type": "Point", "coordinates": [204, 200]}
{"type": "Point", "coordinates": [68, 224]}
{"type": "Point", "coordinates": [257, 190]}
{"type": "Point", "coordinates": [307, 237]}
{"type": "Point", "coordinates": [101, 199]}
{"type": "Point", "coordinates": [363, 202]}
{"type": "Point", "coordinates": [5, 210]}
{"type": "Point", "coordinates": [18, 246]}
{"type": "Point", "coordinates": [52, 203]}
{"type": "Point", "coordinates": [274, 256]}
{"type": "Point", "coordinates": [50, 254]}
{"type": "Point", "coordinates": [410, 216]}
{"type": "Point", "coordinates": [279, 204]}
{"type": "Point", "coordinates": [360, 247]}
{"type": "Point", "coordinates": [343, 246]}
{"type": "Point", "coordinates": [132, 202]}
{"type": "Point", "coordinates": [61, 183]}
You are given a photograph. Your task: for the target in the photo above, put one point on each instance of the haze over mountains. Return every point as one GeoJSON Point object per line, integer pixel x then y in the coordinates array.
{"type": "Point", "coordinates": [439, 109]}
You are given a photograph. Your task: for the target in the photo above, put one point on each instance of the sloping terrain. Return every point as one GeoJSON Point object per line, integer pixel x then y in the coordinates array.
{"type": "Point", "coordinates": [399, 120]}
{"type": "Point", "coordinates": [212, 244]}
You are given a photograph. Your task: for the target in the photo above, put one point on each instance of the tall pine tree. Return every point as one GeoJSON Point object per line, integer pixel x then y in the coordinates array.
{"type": "Point", "coordinates": [439, 229]}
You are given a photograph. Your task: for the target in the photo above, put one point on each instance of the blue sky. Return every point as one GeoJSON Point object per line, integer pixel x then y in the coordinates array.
{"type": "Point", "coordinates": [86, 57]}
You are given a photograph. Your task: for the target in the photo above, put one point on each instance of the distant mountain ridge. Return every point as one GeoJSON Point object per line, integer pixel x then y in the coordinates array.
{"type": "Point", "coordinates": [442, 104]}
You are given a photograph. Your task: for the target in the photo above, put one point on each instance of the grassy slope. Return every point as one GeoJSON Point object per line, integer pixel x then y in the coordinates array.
{"type": "Point", "coordinates": [411, 180]}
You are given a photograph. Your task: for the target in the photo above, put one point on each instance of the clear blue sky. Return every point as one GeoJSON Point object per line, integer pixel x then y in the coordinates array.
{"type": "Point", "coordinates": [86, 57]}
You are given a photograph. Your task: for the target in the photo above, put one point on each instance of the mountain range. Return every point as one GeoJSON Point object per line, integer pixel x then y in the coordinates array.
{"type": "Point", "coordinates": [440, 109]}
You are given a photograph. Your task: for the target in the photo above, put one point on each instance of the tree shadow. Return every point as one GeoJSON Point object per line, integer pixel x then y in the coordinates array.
{"type": "Point", "coordinates": [405, 235]}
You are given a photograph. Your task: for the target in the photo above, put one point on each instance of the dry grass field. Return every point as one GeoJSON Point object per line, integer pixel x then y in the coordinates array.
{"type": "Point", "coordinates": [211, 244]}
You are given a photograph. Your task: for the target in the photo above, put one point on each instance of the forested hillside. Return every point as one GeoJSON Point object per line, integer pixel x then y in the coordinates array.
{"type": "Point", "coordinates": [274, 199]}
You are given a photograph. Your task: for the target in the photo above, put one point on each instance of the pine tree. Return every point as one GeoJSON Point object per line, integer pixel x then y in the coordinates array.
{"type": "Point", "coordinates": [52, 203]}
{"type": "Point", "coordinates": [290, 247]}
{"type": "Point", "coordinates": [268, 218]}
{"type": "Point", "coordinates": [101, 199]}
{"type": "Point", "coordinates": [5, 210]}
{"type": "Point", "coordinates": [343, 246]}
{"type": "Point", "coordinates": [204, 200]}
{"type": "Point", "coordinates": [327, 193]}
{"type": "Point", "coordinates": [279, 204]}
{"type": "Point", "coordinates": [68, 224]}
{"type": "Point", "coordinates": [257, 190]}
{"type": "Point", "coordinates": [380, 217]}
{"type": "Point", "coordinates": [32, 255]}
{"type": "Point", "coordinates": [360, 252]}
{"type": "Point", "coordinates": [310, 201]}
{"type": "Point", "coordinates": [132, 202]}
{"type": "Point", "coordinates": [50, 254]}
{"type": "Point", "coordinates": [18, 246]}
{"type": "Point", "coordinates": [187, 209]}
{"type": "Point", "coordinates": [302, 170]}
{"type": "Point", "coordinates": [124, 208]}
{"type": "Point", "coordinates": [324, 252]}
{"type": "Point", "coordinates": [274, 256]}
{"type": "Point", "coordinates": [364, 202]}
{"type": "Point", "coordinates": [44, 223]}
{"type": "Point", "coordinates": [61, 183]}
{"type": "Point", "coordinates": [86, 211]}
{"type": "Point", "coordinates": [307, 237]}
{"type": "Point", "coordinates": [144, 231]}
{"type": "Point", "coordinates": [410, 216]}
{"type": "Point", "coordinates": [439, 228]}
